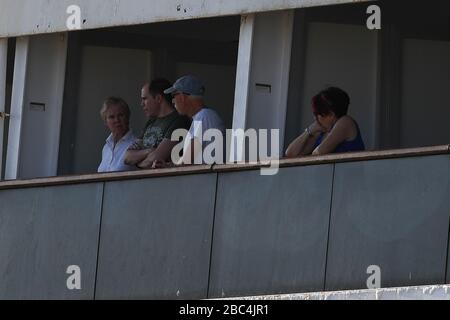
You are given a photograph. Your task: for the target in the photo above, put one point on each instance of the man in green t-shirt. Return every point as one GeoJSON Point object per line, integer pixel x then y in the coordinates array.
{"type": "Point", "coordinates": [155, 143]}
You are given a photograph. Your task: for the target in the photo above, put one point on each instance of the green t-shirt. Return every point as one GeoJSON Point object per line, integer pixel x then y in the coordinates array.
{"type": "Point", "coordinates": [158, 129]}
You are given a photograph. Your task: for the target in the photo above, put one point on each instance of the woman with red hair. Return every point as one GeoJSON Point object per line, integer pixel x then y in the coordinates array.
{"type": "Point", "coordinates": [333, 131]}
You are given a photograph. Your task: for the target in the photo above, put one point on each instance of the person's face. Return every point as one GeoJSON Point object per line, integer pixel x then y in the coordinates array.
{"type": "Point", "coordinates": [326, 121]}
{"type": "Point", "coordinates": [179, 101]}
{"type": "Point", "coordinates": [116, 120]}
{"type": "Point", "coordinates": [150, 105]}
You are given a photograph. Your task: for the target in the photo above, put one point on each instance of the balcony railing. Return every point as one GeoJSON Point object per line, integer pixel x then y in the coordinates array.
{"type": "Point", "coordinates": [221, 231]}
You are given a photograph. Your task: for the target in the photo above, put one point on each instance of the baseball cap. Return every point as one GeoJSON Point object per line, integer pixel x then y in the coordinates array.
{"type": "Point", "coordinates": [187, 84]}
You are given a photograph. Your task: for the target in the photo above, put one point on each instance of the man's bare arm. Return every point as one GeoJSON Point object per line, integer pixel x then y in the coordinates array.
{"type": "Point", "coordinates": [133, 157]}
{"type": "Point", "coordinates": [162, 153]}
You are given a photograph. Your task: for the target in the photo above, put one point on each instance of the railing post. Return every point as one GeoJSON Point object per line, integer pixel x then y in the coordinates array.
{"type": "Point", "coordinates": [242, 82]}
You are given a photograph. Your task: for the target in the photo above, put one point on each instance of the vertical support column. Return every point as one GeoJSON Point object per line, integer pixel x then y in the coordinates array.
{"type": "Point", "coordinates": [262, 80]}
{"type": "Point", "coordinates": [3, 66]}
{"type": "Point", "coordinates": [269, 75]}
{"type": "Point", "coordinates": [242, 83]}
{"type": "Point", "coordinates": [17, 101]}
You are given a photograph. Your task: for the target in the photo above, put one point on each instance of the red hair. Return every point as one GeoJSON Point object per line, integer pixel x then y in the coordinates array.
{"type": "Point", "coordinates": [330, 100]}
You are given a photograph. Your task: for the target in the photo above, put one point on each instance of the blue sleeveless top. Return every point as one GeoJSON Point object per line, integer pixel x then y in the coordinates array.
{"type": "Point", "coordinates": [356, 144]}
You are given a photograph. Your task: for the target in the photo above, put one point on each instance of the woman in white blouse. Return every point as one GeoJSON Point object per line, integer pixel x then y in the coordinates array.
{"type": "Point", "coordinates": [116, 114]}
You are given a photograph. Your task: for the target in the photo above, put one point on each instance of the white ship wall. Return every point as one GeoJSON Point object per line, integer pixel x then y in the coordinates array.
{"type": "Point", "coordinates": [25, 17]}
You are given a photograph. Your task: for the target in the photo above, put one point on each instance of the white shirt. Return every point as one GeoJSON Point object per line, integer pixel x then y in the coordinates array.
{"type": "Point", "coordinates": [202, 121]}
{"type": "Point", "coordinates": [113, 155]}
{"type": "Point", "coordinates": [209, 119]}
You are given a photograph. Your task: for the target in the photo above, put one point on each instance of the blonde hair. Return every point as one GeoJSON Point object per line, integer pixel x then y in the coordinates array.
{"type": "Point", "coordinates": [115, 101]}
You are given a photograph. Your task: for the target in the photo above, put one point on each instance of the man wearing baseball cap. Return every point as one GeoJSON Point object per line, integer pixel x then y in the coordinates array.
{"type": "Point", "coordinates": [188, 97]}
